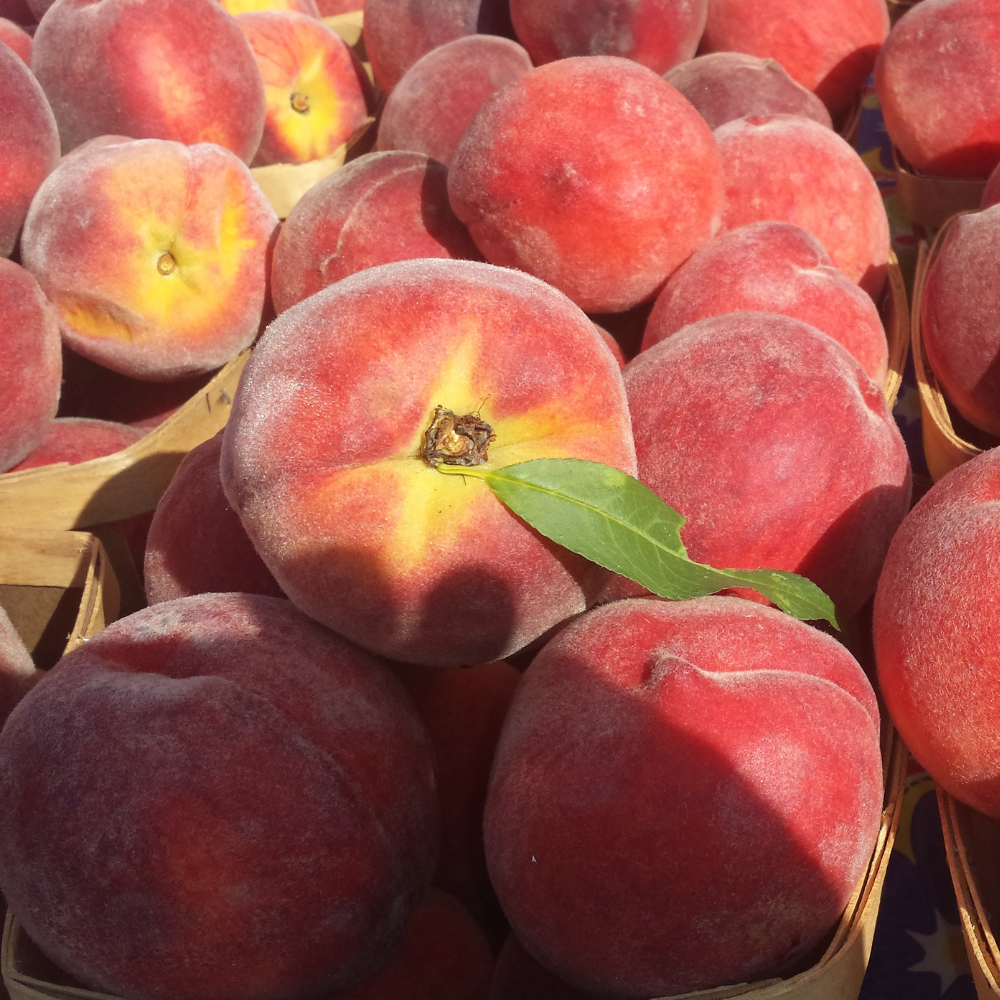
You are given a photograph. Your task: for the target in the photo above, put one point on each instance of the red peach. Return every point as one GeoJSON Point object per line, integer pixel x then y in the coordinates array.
{"type": "Point", "coordinates": [431, 107]}
{"type": "Point", "coordinates": [656, 33]}
{"type": "Point", "coordinates": [196, 543]}
{"type": "Point", "coordinates": [380, 208]}
{"type": "Point", "coordinates": [518, 976]}
{"type": "Point", "coordinates": [593, 174]}
{"type": "Point", "coordinates": [18, 11]}
{"type": "Point", "coordinates": [238, 803]}
{"type": "Point", "coordinates": [16, 39]}
{"type": "Point", "coordinates": [786, 168]}
{"type": "Point", "coordinates": [29, 144]}
{"type": "Point", "coordinates": [342, 415]}
{"type": "Point", "coordinates": [17, 670]}
{"type": "Point", "coordinates": [155, 254]}
{"type": "Point", "coordinates": [772, 267]}
{"type": "Point", "coordinates": [315, 87]}
{"type": "Point", "coordinates": [164, 69]}
{"type": "Point", "coordinates": [769, 438]}
{"type": "Point", "coordinates": [827, 47]}
{"type": "Point", "coordinates": [685, 795]}
{"type": "Point", "coordinates": [936, 79]}
{"type": "Point", "coordinates": [78, 439]}
{"type": "Point", "coordinates": [724, 86]}
{"type": "Point", "coordinates": [399, 32]}
{"type": "Point", "coordinates": [331, 8]}
{"type": "Point", "coordinates": [31, 361]}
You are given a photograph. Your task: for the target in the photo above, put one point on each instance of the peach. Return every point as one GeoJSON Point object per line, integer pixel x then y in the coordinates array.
{"type": "Point", "coordinates": [625, 327]}
{"type": "Point", "coordinates": [380, 208]}
{"type": "Point", "coordinates": [656, 33]}
{"type": "Point", "coordinates": [430, 108]}
{"type": "Point", "coordinates": [443, 956]}
{"type": "Point", "coordinates": [827, 47]}
{"type": "Point", "coordinates": [724, 86]}
{"type": "Point", "coordinates": [16, 39]}
{"type": "Point", "coordinates": [593, 174]}
{"type": "Point", "coordinates": [331, 8]}
{"type": "Point", "coordinates": [196, 543]}
{"type": "Point", "coordinates": [960, 318]}
{"type": "Point", "coordinates": [462, 709]}
{"type": "Point", "coordinates": [786, 168]}
{"type": "Point", "coordinates": [314, 86]}
{"type": "Point", "coordinates": [163, 69]}
{"type": "Point", "coordinates": [518, 976]}
{"type": "Point", "coordinates": [684, 795]}
{"type": "Point", "coordinates": [271, 832]}
{"type": "Point", "coordinates": [29, 144]}
{"type": "Point", "coordinates": [17, 670]}
{"type": "Point", "coordinates": [935, 631]}
{"type": "Point", "coordinates": [351, 400]}
{"type": "Point", "coordinates": [155, 254]}
{"type": "Point", "coordinates": [399, 32]}
{"type": "Point", "coordinates": [17, 11]}
{"type": "Point", "coordinates": [31, 361]}
{"type": "Point", "coordinates": [769, 438]}
{"type": "Point", "coordinates": [772, 267]}
{"type": "Point", "coordinates": [78, 439]}
{"type": "Point", "coordinates": [237, 7]}
{"type": "Point", "coordinates": [937, 82]}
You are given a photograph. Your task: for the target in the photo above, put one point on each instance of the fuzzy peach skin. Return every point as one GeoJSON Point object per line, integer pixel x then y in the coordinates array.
{"type": "Point", "coordinates": [155, 254]}
{"type": "Point", "coordinates": [937, 79]}
{"type": "Point", "coordinates": [377, 209]}
{"type": "Point", "coordinates": [828, 46]}
{"type": "Point", "coordinates": [430, 108]}
{"type": "Point", "coordinates": [29, 144]}
{"type": "Point", "coordinates": [31, 362]}
{"type": "Point", "coordinates": [196, 543]}
{"type": "Point", "coordinates": [17, 670]}
{"type": "Point", "coordinates": [443, 956]}
{"type": "Point", "coordinates": [935, 630]}
{"type": "Point", "coordinates": [728, 85]}
{"type": "Point", "coordinates": [16, 39]}
{"type": "Point", "coordinates": [593, 174]}
{"type": "Point", "coordinates": [772, 267]}
{"type": "Point", "coordinates": [331, 8]}
{"type": "Point", "coordinates": [656, 33]}
{"type": "Point", "coordinates": [960, 318]}
{"type": "Point", "coordinates": [786, 168]}
{"type": "Point", "coordinates": [238, 804]}
{"type": "Point", "coordinates": [163, 69]}
{"type": "Point", "coordinates": [776, 446]}
{"type": "Point", "coordinates": [399, 32]}
{"type": "Point", "coordinates": [78, 439]}
{"type": "Point", "coordinates": [321, 455]}
{"type": "Point", "coordinates": [237, 7]}
{"type": "Point", "coordinates": [684, 795]}
{"type": "Point", "coordinates": [314, 85]}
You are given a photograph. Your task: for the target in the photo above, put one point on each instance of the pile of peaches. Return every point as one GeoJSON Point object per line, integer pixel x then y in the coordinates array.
{"type": "Point", "coordinates": [375, 735]}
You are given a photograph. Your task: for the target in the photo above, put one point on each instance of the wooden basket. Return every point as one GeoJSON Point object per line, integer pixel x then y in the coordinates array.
{"type": "Point", "coordinates": [124, 484]}
{"type": "Point", "coordinates": [970, 841]}
{"type": "Point", "coordinates": [944, 448]}
{"type": "Point", "coordinates": [895, 312]}
{"type": "Point", "coordinates": [930, 201]}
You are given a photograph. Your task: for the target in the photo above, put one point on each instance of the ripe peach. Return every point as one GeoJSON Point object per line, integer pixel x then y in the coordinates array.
{"type": "Point", "coordinates": [724, 86]}
{"type": "Point", "coordinates": [399, 32]}
{"type": "Point", "coordinates": [78, 439]}
{"type": "Point", "coordinates": [685, 794]}
{"type": "Point", "coordinates": [237, 7]}
{"type": "Point", "coordinates": [935, 629]}
{"type": "Point", "coordinates": [786, 168]}
{"type": "Point", "coordinates": [380, 208]}
{"type": "Point", "coordinates": [776, 446]}
{"type": "Point", "coordinates": [430, 108]}
{"type": "Point", "coordinates": [164, 69]}
{"type": "Point", "coordinates": [827, 47]}
{"type": "Point", "coordinates": [31, 360]}
{"type": "Point", "coordinates": [518, 976]}
{"type": "Point", "coordinates": [593, 174]}
{"type": "Point", "coordinates": [29, 144]}
{"type": "Point", "coordinates": [155, 255]}
{"type": "Point", "coordinates": [936, 79]}
{"type": "Point", "coordinates": [331, 8]}
{"type": "Point", "coordinates": [960, 318]}
{"type": "Point", "coordinates": [315, 87]}
{"type": "Point", "coordinates": [17, 670]}
{"type": "Point", "coordinates": [16, 39]}
{"type": "Point", "coordinates": [350, 400]}
{"type": "Point", "coordinates": [196, 544]}
{"type": "Point", "coordinates": [656, 33]}
{"type": "Point", "coordinates": [772, 267]}
{"type": "Point", "coordinates": [238, 803]}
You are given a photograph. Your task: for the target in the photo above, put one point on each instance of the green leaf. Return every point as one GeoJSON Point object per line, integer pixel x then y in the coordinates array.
{"type": "Point", "coordinates": [612, 519]}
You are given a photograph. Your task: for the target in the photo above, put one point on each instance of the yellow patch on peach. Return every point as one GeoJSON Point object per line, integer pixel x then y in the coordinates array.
{"type": "Point", "coordinates": [307, 114]}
